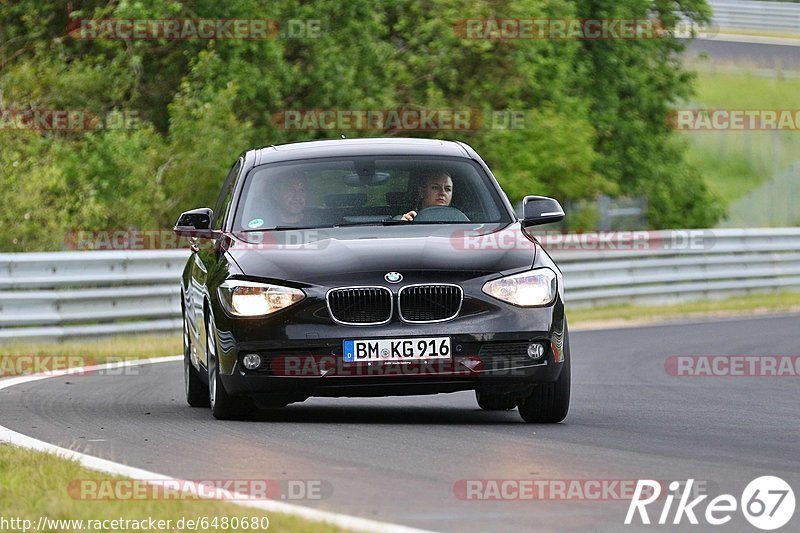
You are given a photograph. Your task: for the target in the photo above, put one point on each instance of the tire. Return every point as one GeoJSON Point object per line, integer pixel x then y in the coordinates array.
{"type": "Point", "coordinates": [548, 403]}
{"type": "Point", "coordinates": [223, 405]}
{"type": "Point", "coordinates": [495, 402]}
{"type": "Point", "coordinates": [196, 390]}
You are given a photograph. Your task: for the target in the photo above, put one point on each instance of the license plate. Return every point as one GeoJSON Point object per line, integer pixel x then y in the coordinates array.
{"type": "Point", "coordinates": [415, 349]}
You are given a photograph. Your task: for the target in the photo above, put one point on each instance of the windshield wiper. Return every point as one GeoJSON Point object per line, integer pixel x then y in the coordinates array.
{"type": "Point", "coordinates": [280, 228]}
{"type": "Point", "coordinates": [351, 224]}
{"type": "Point", "coordinates": [415, 223]}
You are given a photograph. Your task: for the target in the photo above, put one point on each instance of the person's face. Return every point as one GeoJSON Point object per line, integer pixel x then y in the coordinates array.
{"type": "Point", "coordinates": [291, 197]}
{"type": "Point", "coordinates": [437, 191]}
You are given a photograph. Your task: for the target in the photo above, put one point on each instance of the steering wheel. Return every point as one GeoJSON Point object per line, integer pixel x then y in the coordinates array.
{"type": "Point", "coordinates": [441, 213]}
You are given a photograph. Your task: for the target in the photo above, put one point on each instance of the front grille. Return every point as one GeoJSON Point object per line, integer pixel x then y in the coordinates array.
{"type": "Point", "coordinates": [360, 305]}
{"type": "Point", "coordinates": [430, 303]}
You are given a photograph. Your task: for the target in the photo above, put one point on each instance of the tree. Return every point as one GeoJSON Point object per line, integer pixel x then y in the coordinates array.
{"type": "Point", "coordinates": [593, 111]}
{"type": "Point", "coordinates": [641, 80]}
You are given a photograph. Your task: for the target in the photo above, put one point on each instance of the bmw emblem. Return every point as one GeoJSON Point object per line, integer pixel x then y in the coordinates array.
{"type": "Point", "coordinates": [393, 277]}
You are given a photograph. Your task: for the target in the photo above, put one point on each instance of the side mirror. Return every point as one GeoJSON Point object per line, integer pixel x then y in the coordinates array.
{"type": "Point", "coordinates": [537, 210]}
{"type": "Point", "coordinates": [195, 223]}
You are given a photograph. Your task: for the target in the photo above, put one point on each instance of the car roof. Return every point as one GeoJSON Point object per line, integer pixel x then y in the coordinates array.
{"type": "Point", "coordinates": [359, 147]}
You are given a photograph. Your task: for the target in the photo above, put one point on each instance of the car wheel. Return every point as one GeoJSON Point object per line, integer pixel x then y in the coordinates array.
{"type": "Point", "coordinates": [549, 402]}
{"type": "Point", "coordinates": [196, 390]}
{"type": "Point", "coordinates": [495, 402]}
{"type": "Point", "coordinates": [223, 406]}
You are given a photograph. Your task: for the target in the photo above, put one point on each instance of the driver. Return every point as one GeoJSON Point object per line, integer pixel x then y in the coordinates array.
{"type": "Point", "coordinates": [436, 190]}
{"type": "Point", "coordinates": [289, 197]}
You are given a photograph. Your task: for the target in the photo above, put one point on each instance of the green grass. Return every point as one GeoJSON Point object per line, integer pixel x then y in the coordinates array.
{"type": "Point", "coordinates": [36, 484]}
{"type": "Point", "coordinates": [86, 352]}
{"type": "Point", "coordinates": [123, 346]}
{"type": "Point", "coordinates": [636, 314]}
{"type": "Point", "coordinates": [734, 163]}
{"type": "Point", "coordinates": [729, 173]}
{"type": "Point", "coordinates": [746, 90]}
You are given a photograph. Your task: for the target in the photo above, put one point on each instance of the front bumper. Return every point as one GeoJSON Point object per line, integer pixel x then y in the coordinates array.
{"type": "Point", "coordinates": [302, 350]}
{"type": "Point", "coordinates": [309, 366]}
{"type": "Point", "coordinates": [379, 379]}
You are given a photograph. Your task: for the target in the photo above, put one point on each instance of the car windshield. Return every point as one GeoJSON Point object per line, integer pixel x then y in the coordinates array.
{"type": "Point", "coordinates": [367, 191]}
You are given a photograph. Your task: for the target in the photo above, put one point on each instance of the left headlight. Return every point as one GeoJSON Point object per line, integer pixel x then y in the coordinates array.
{"type": "Point", "coordinates": [248, 298]}
{"type": "Point", "coordinates": [534, 288]}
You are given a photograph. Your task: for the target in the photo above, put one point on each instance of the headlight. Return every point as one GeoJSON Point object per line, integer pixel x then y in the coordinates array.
{"type": "Point", "coordinates": [247, 298]}
{"type": "Point", "coordinates": [533, 288]}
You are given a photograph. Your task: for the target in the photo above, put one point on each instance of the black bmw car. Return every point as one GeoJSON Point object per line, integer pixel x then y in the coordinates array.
{"type": "Point", "coordinates": [371, 267]}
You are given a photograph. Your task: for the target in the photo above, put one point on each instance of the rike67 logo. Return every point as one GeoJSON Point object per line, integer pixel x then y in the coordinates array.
{"type": "Point", "coordinates": [767, 502]}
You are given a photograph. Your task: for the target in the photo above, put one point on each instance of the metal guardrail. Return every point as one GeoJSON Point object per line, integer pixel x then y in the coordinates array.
{"type": "Point", "coordinates": [76, 294]}
{"type": "Point", "coordinates": [81, 294]}
{"type": "Point", "coordinates": [783, 17]}
{"type": "Point", "coordinates": [675, 266]}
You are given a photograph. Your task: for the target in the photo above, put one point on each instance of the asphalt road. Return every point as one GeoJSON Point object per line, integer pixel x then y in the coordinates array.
{"type": "Point", "coordinates": [399, 459]}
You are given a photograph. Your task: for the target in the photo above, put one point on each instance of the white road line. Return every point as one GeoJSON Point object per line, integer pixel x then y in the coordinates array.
{"type": "Point", "coordinates": [354, 523]}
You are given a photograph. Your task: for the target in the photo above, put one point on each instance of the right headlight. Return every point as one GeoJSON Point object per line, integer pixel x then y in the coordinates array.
{"type": "Point", "coordinates": [248, 298]}
{"type": "Point", "coordinates": [534, 288]}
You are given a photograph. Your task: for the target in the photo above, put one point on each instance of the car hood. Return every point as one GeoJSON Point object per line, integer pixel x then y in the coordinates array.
{"type": "Point", "coordinates": [320, 255]}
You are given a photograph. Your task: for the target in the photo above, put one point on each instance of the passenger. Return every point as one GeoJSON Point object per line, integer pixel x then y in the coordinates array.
{"type": "Point", "coordinates": [436, 190]}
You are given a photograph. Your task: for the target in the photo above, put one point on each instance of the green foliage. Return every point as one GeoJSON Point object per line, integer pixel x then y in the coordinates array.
{"type": "Point", "coordinates": [593, 109]}
{"type": "Point", "coordinates": [633, 85]}
{"type": "Point", "coordinates": [205, 136]}
{"type": "Point", "coordinates": [553, 153]}
{"type": "Point", "coordinates": [35, 218]}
